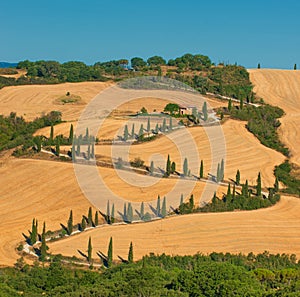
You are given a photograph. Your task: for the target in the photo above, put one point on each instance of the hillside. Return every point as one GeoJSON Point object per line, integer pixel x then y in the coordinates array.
{"type": "Point", "coordinates": [282, 88]}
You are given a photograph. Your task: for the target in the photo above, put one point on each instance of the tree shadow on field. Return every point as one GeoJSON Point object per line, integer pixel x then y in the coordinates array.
{"type": "Point", "coordinates": [103, 258]}
{"type": "Point", "coordinates": [82, 254]}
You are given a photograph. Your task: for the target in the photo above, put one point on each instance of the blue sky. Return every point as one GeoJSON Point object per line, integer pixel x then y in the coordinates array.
{"type": "Point", "coordinates": [246, 32]}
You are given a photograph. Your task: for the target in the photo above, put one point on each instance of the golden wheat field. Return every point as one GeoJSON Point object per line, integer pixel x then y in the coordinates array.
{"type": "Point", "coordinates": [47, 190]}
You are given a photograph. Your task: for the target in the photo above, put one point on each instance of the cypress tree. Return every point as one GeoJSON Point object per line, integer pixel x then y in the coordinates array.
{"type": "Point", "coordinates": [164, 125]}
{"type": "Point", "coordinates": [57, 147]}
{"type": "Point", "coordinates": [185, 167]}
{"type": "Point", "coordinates": [108, 213]}
{"type": "Point", "coordinates": [125, 213]}
{"type": "Point", "coordinates": [295, 66]}
{"type": "Point", "coordinates": [233, 192]}
{"type": "Point", "coordinates": [96, 218]}
{"type": "Point", "coordinates": [218, 173]}
{"type": "Point", "coordinates": [93, 150]}
{"type": "Point", "coordinates": [158, 206]}
{"type": "Point", "coordinates": [258, 186]}
{"type": "Point", "coordinates": [164, 208]}
{"type": "Point", "coordinates": [204, 111]}
{"type": "Point", "coordinates": [70, 223]}
{"type": "Point", "coordinates": [156, 129]}
{"type": "Point", "coordinates": [228, 191]}
{"type": "Point", "coordinates": [173, 167]}
{"type": "Point", "coordinates": [90, 249]}
{"type": "Point", "coordinates": [258, 66]}
{"type": "Point", "coordinates": [132, 131]}
{"type": "Point", "coordinates": [73, 152]}
{"type": "Point", "coordinates": [229, 105]}
{"type": "Point", "coordinates": [87, 134]}
{"type": "Point", "coordinates": [71, 134]}
{"type": "Point", "coordinates": [51, 134]}
{"type": "Point", "coordinates": [276, 185]}
{"type": "Point", "coordinates": [43, 250]}
{"type": "Point", "coordinates": [130, 253]}
{"type": "Point", "coordinates": [181, 199]}
{"type": "Point", "coordinates": [201, 169]}
{"type": "Point", "coordinates": [238, 177]}
{"type": "Point", "coordinates": [171, 124]}
{"type": "Point", "coordinates": [148, 125]}
{"type": "Point", "coordinates": [241, 103]}
{"type": "Point", "coordinates": [191, 202]}
{"type": "Point", "coordinates": [90, 216]}
{"type": "Point", "coordinates": [110, 253]}
{"type": "Point", "coordinates": [89, 152]}
{"type": "Point", "coordinates": [83, 224]}
{"type": "Point", "coordinates": [246, 188]}
{"type": "Point", "coordinates": [151, 168]}
{"type": "Point", "coordinates": [33, 234]}
{"type": "Point", "coordinates": [112, 216]}
{"type": "Point", "coordinates": [125, 135]}
{"type": "Point", "coordinates": [222, 170]}
{"type": "Point", "coordinates": [141, 132]}
{"type": "Point", "coordinates": [129, 213]}
{"type": "Point", "coordinates": [168, 166]}
{"type": "Point", "coordinates": [142, 211]}
{"type": "Point", "coordinates": [78, 149]}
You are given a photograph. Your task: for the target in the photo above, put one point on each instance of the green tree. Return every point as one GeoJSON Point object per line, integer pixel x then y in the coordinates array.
{"type": "Point", "coordinates": [258, 66]}
{"type": "Point", "coordinates": [51, 134]}
{"type": "Point", "coordinates": [130, 253]}
{"type": "Point", "coordinates": [156, 60]}
{"type": "Point", "coordinates": [70, 223]}
{"type": "Point", "coordinates": [96, 218]}
{"type": "Point", "coordinates": [238, 178]}
{"type": "Point", "coordinates": [78, 149]}
{"type": "Point", "coordinates": [258, 186]}
{"type": "Point", "coordinates": [148, 125]}
{"type": "Point", "coordinates": [158, 209]}
{"type": "Point", "coordinates": [71, 134]}
{"type": "Point", "coordinates": [156, 128]}
{"type": "Point", "coordinates": [229, 105]}
{"type": "Point", "coordinates": [218, 173]}
{"type": "Point", "coordinates": [88, 155]}
{"type": "Point", "coordinates": [222, 169]}
{"type": "Point", "coordinates": [241, 104]}
{"type": "Point", "coordinates": [142, 211]}
{"type": "Point", "coordinates": [43, 249]}
{"type": "Point", "coordinates": [90, 250]}
{"type": "Point", "coordinates": [201, 169]}
{"type": "Point", "coordinates": [141, 132]}
{"type": "Point", "coordinates": [170, 124]}
{"type": "Point", "coordinates": [144, 110]}
{"type": "Point", "coordinates": [57, 146]}
{"type": "Point", "coordinates": [228, 195]}
{"type": "Point", "coordinates": [191, 202]}
{"type": "Point", "coordinates": [132, 132]}
{"type": "Point", "coordinates": [173, 167]}
{"type": "Point", "coordinates": [110, 253]}
{"type": "Point", "coordinates": [172, 108]}
{"type": "Point", "coordinates": [125, 134]}
{"type": "Point", "coordinates": [185, 167]}
{"type": "Point", "coordinates": [276, 185]}
{"type": "Point", "coordinates": [295, 66]}
{"type": "Point", "coordinates": [164, 126]}
{"type": "Point", "coordinates": [137, 63]}
{"type": "Point", "coordinates": [164, 208]}
{"type": "Point", "coordinates": [205, 111]}
{"type": "Point", "coordinates": [112, 216]}
{"type": "Point", "coordinates": [151, 168]}
{"type": "Point", "coordinates": [83, 224]}
{"type": "Point", "coordinates": [181, 199]}
{"type": "Point", "coordinates": [129, 213]}
{"type": "Point", "coordinates": [168, 166]}
{"type": "Point", "coordinates": [90, 216]}
{"type": "Point", "coordinates": [34, 232]}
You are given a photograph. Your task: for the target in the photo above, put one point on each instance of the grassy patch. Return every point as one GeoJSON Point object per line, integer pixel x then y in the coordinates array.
{"type": "Point", "coordinates": [69, 99]}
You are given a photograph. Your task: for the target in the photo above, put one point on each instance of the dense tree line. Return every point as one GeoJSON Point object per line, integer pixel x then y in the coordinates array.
{"type": "Point", "coordinates": [196, 70]}
{"type": "Point", "coordinates": [263, 122]}
{"type": "Point", "coordinates": [216, 274]}
{"type": "Point", "coordinates": [15, 130]}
